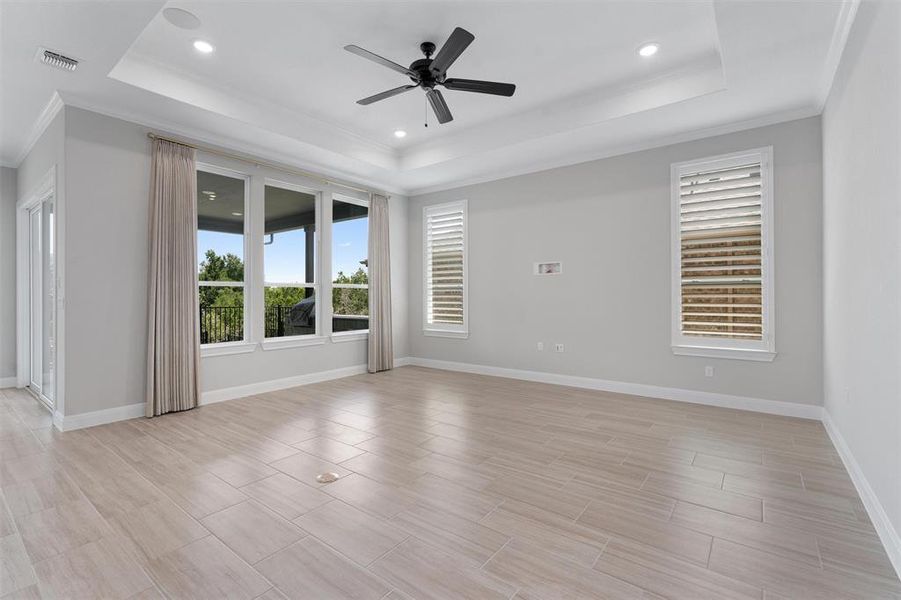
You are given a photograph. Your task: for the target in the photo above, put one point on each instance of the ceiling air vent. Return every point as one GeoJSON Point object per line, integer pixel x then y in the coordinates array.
{"type": "Point", "coordinates": [55, 59]}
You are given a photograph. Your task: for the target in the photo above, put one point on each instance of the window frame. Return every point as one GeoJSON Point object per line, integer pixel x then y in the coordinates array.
{"type": "Point", "coordinates": [688, 345]}
{"type": "Point", "coordinates": [445, 330]}
{"type": "Point", "coordinates": [346, 336]}
{"type": "Point", "coordinates": [246, 344]}
{"type": "Point", "coordinates": [316, 337]}
{"type": "Point", "coordinates": [256, 176]}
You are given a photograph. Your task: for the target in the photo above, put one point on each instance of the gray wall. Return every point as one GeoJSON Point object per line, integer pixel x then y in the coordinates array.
{"type": "Point", "coordinates": [108, 162]}
{"type": "Point", "coordinates": [609, 222]}
{"type": "Point", "coordinates": [862, 250]}
{"type": "Point", "coordinates": [109, 167]}
{"type": "Point", "coordinates": [8, 197]}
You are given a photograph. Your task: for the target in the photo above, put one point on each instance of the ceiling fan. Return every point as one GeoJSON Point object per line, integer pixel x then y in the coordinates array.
{"type": "Point", "coordinates": [429, 72]}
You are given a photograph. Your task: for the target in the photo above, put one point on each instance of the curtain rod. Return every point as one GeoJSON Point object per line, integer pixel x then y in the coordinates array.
{"type": "Point", "coordinates": [260, 163]}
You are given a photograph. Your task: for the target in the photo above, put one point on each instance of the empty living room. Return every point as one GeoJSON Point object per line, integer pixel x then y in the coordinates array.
{"type": "Point", "coordinates": [450, 299]}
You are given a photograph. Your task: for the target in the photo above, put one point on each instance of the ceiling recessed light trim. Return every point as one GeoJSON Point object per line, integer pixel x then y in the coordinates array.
{"type": "Point", "coordinates": [181, 18]}
{"type": "Point", "coordinates": [400, 133]}
{"type": "Point", "coordinates": [203, 46]}
{"type": "Point", "coordinates": [237, 214]}
{"type": "Point", "coordinates": [649, 49]}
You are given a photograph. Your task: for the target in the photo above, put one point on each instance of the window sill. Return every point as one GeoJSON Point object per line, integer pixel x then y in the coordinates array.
{"type": "Point", "coordinates": [227, 348]}
{"type": "Point", "coordinates": [293, 342]}
{"type": "Point", "coordinates": [729, 353]}
{"type": "Point", "coordinates": [350, 336]}
{"type": "Point", "coordinates": [460, 335]}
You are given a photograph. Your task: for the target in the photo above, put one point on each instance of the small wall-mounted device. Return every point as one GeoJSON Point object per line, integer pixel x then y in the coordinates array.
{"type": "Point", "coordinates": [553, 267]}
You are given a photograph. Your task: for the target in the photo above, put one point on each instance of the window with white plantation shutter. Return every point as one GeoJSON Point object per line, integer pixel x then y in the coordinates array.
{"type": "Point", "coordinates": [722, 273]}
{"type": "Point", "coordinates": [444, 277]}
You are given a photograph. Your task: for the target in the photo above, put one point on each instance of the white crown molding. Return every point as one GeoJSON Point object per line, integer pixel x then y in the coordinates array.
{"type": "Point", "coordinates": [843, 24]}
{"type": "Point", "coordinates": [232, 145]}
{"type": "Point", "coordinates": [390, 188]}
{"type": "Point", "coordinates": [659, 142]}
{"type": "Point", "coordinates": [889, 536]}
{"type": "Point", "coordinates": [43, 121]}
{"type": "Point", "coordinates": [772, 407]}
{"type": "Point", "coordinates": [177, 81]}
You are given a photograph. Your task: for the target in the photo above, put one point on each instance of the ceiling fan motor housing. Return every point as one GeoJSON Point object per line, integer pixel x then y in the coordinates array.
{"type": "Point", "coordinates": [424, 75]}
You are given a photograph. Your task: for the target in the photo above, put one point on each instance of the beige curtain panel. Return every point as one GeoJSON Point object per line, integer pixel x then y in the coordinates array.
{"type": "Point", "coordinates": [173, 337]}
{"type": "Point", "coordinates": [381, 348]}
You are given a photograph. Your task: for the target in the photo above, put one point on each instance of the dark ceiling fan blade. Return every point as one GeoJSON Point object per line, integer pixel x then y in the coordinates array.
{"type": "Point", "coordinates": [480, 87]}
{"type": "Point", "coordinates": [439, 106]}
{"type": "Point", "coordinates": [388, 94]}
{"type": "Point", "coordinates": [458, 41]}
{"type": "Point", "coordinates": [381, 60]}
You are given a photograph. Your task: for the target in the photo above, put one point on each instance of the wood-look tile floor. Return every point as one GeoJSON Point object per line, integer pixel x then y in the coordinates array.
{"type": "Point", "coordinates": [452, 486]}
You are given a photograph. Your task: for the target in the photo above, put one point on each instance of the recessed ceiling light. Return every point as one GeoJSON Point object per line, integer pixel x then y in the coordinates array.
{"type": "Point", "coordinates": [208, 193]}
{"type": "Point", "coordinates": [649, 49]}
{"type": "Point", "coordinates": [237, 214]}
{"type": "Point", "coordinates": [181, 18]}
{"type": "Point", "coordinates": [202, 46]}
{"type": "Point", "coordinates": [400, 133]}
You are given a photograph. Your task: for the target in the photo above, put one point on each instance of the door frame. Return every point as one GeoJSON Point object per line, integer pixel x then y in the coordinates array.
{"type": "Point", "coordinates": [45, 188]}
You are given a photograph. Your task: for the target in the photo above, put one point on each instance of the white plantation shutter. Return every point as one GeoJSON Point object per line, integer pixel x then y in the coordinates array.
{"type": "Point", "coordinates": [444, 230]}
{"type": "Point", "coordinates": [722, 261]}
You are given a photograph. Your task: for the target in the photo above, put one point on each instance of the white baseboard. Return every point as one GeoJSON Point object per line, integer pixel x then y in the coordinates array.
{"type": "Point", "coordinates": [8, 382]}
{"type": "Point", "coordinates": [251, 389]}
{"type": "Point", "coordinates": [97, 417]}
{"type": "Point", "coordinates": [773, 407]}
{"type": "Point", "coordinates": [131, 411]}
{"type": "Point", "coordinates": [890, 538]}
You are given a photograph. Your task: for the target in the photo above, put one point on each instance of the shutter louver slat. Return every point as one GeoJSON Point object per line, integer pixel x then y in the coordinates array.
{"type": "Point", "coordinates": [444, 267]}
{"type": "Point", "coordinates": [720, 222]}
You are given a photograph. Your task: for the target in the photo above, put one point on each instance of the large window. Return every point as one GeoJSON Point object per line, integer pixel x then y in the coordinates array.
{"type": "Point", "coordinates": [722, 256]}
{"type": "Point", "coordinates": [221, 207]}
{"type": "Point", "coordinates": [260, 236]}
{"type": "Point", "coordinates": [350, 265]}
{"type": "Point", "coordinates": [290, 260]}
{"type": "Point", "coordinates": [444, 270]}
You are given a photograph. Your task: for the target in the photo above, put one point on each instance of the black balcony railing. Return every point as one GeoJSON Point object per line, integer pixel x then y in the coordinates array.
{"type": "Point", "coordinates": [226, 323]}
{"type": "Point", "coordinates": [221, 324]}
{"type": "Point", "coordinates": [285, 320]}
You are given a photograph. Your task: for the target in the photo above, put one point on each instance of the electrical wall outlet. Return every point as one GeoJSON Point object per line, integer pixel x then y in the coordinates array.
{"type": "Point", "coordinates": [558, 347]}
{"type": "Point", "coordinates": [708, 371]}
{"type": "Point", "coordinates": [540, 346]}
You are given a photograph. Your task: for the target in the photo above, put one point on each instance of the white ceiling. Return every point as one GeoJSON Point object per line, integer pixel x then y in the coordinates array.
{"type": "Point", "coordinates": [281, 86]}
